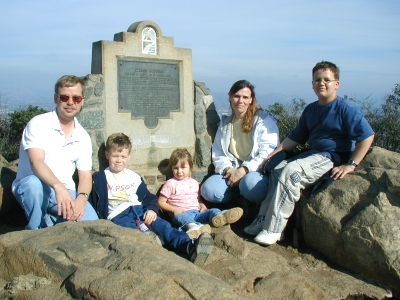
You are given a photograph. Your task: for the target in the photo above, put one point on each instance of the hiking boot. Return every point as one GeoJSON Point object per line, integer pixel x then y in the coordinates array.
{"type": "Point", "coordinates": [227, 217]}
{"type": "Point", "coordinates": [200, 249]}
{"type": "Point", "coordinates": [268, 238]}
{"type": "Point", "coordinates": [256, 226]}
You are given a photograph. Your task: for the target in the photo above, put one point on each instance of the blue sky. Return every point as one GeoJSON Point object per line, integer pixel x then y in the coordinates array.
{"type": "Point", "coordinates": [273, 44]}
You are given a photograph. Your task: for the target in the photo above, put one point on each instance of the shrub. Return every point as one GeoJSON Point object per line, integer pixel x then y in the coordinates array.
{"type": "Point", "coordinates": [384, 119]}
{"type": "Point", "coordinates": [287, 116]}
{"type": "Point", "coordinates": [11, 129]}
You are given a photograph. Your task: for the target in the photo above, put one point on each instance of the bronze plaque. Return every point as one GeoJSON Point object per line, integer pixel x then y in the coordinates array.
{"type": "Point", "coordinates": [148, 90]}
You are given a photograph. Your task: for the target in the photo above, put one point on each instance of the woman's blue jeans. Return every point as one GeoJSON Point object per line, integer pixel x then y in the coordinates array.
{"type": "Point", "coordinates": [253, 186]}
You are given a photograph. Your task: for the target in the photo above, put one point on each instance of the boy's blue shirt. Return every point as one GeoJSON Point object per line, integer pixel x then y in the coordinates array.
{"type": "Point", "coordinates": [334, 127]}
{"type": "Point", "coordinates": [99, 195]}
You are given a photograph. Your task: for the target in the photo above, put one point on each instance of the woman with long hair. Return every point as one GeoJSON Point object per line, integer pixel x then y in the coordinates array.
{"type": "Point", "coordinates": [243, 139]}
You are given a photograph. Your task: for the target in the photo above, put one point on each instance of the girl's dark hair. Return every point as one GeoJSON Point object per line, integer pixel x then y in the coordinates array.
{"type": "Point", "coordinates": [179, 155]}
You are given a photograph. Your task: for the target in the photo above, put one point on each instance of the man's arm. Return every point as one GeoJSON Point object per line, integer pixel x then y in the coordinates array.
{"type": "Point", "coordinates": [84, 186]}
{"type": "Point", "coordinates": [65, 202]}
{"type": "Point", "coordinates": [358, 155]}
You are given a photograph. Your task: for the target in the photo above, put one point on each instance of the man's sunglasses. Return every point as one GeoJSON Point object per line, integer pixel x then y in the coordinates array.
{"type": "Point", "coordinates": [65, 98]}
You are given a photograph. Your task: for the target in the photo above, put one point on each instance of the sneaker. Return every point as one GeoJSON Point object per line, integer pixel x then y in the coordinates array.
{"type": "Point", "coordinates": [195, 230]}
{"type": "Point", "coordinates": [205, 228]}
{"type": "Point", "coordinates": [154, 236]}
{"type": "Point", "coordinates": [256, 226]}
{"type": "Point", "coordinates": [201, 248]}
{"type": "Point", "coordinates": [227, 217]}
{"type": "Point", "coordinates": [268, 238]}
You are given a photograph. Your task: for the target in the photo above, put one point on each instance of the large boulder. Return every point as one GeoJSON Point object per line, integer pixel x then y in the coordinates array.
{"type": "Point", "coordinates": [100, 260]}
{"type": "Point", "coordinates": [355, 221]}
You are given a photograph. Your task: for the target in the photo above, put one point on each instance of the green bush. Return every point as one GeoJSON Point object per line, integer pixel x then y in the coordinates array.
{"type": "Point", "coordinates": [11, 129]}
{"type": "Point", "coordinates": [287, 116]}
{"type": "Point", "coordinates": [384, 119]}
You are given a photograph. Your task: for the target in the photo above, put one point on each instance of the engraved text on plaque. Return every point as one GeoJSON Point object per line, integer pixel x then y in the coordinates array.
{"type": "Point", "coordinates": [148, 90]}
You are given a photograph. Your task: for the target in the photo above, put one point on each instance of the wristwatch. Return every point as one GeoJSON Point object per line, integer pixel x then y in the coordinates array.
{"type": "Point", "coordinates": [352, 162]}
{"type": "Point", "coordinates": [84, 194]}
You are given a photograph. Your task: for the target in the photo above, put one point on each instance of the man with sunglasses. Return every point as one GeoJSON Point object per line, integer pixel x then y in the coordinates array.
{"type": "Point", "coordinates": [53, 146]}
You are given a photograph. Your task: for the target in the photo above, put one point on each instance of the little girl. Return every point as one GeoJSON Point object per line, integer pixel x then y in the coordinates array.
{"type": "Point", "coordinates": [180, 198]}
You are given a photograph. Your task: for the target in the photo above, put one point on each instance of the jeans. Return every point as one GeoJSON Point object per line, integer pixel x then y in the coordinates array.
{"type": "Point", "coordinates": [172, 238]}
{"type": "Point", "coordinates": [253, 186]}
{"type": "Point", "coordinates": [195, 216]}
{"type": "Point", "coordinates": [40, 205]}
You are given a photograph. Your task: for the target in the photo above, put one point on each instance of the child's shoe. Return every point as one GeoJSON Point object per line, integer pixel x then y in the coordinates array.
{"type": "Point", "coordinates": [194, 230]}
{"type": "Point", "coordinates": [227, 217]}
{"type": "Point", "coordinates": [256, 226]}
{"type": "Point", "coordinates": [200, 249]}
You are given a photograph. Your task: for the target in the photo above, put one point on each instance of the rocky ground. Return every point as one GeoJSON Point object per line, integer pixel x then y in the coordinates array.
{"type": "Point", "coordinates": [237, 265]}
{"type": "Point", "coordinates": [354, 223]}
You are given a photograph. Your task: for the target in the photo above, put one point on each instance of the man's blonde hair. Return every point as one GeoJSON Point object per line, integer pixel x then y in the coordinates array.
{"type": "Point", "coordinates": [69, 81]}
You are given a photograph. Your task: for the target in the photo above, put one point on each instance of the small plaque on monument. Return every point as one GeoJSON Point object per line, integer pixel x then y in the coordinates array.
{"type": "Point", "coordinates": [148, 90]}
{"type": "Point", "coordinates": [149, 41]}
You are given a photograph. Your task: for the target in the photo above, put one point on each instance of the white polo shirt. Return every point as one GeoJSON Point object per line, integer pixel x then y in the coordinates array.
{"type": "Point", "coordinates": [44, 132]}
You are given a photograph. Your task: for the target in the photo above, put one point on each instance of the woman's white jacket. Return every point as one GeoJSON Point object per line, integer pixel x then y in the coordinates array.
{"type": "Point", "coordinates": [265, 140]}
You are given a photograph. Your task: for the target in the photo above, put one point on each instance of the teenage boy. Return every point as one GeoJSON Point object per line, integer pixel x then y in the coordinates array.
{"type": "Point", "coordinates": [120, 195]}
{"type": "Point", "coordinates": [339, 138]}
{"type": "Point", "coordinates": [53, 146]}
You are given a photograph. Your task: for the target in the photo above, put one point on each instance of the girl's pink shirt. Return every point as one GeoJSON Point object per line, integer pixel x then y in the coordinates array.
{"type": "Point", "coordinates": [182, 193]}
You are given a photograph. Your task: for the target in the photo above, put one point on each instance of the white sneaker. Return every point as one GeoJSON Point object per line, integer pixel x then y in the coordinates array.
{"type": "Point", "coordinates": [256, 226]}
{"type": "Point", "coordinates": [195, 230]}
{"type": "Point", "coordinates": [191, 226]}
{"type": "Point", "coordinates": [268, 238]}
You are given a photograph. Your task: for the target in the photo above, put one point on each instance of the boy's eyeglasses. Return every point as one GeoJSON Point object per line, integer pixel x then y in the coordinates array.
{"type": "Point", "coordinates": [318, 81]}
{"type": "Point", "coordinates": [65, 98]}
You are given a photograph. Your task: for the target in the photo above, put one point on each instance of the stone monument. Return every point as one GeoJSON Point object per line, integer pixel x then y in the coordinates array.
{"type": "Point", "coordinates": [141, 84]}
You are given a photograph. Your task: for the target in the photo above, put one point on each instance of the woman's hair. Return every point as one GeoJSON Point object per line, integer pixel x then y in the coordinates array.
{"type": "Point", "coordinates": [118, 141]}
{"type": "Point", "coordinates": [248, 119]}
{"type": "Point", "coordinates": [180, 155]}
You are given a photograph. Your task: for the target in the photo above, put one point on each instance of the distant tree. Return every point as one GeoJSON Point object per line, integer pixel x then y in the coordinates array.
{"type": "Point", "coordinates": [287, 117]}
{"type": "Point", "coordinates": [11, 129]}
{"type": "Point", "coordinates": [4, 136]}
{"type": "Point", "coordinates": [4, 126]}
{"type": "Point", "coordinates": [384, 119]}
{"type": "Point", "coordinates": [19, 119]}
